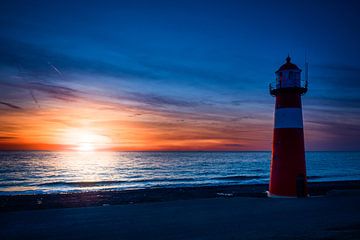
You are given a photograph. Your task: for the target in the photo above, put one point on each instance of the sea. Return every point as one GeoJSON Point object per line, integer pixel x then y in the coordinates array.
{"type": "Point", "coordinates": [34, 172]}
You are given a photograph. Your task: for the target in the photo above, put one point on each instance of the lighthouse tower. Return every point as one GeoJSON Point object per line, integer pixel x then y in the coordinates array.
{"type": "Point", "coordinates": [288, 170]}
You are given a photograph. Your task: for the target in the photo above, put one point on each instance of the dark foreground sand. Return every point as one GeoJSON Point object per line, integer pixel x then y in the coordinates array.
{"type": "Point", "coordinates": [332, 217]}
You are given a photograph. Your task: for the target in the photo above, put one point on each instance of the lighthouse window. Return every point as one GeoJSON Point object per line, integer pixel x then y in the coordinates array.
{"type": "Point", "coordinates": [291, 75]}
{"type": "Point", "coordinates": [279, 79]}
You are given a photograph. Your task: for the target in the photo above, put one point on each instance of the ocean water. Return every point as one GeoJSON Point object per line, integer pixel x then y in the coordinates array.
{"type": "Point", "coordinates": [50, 172]}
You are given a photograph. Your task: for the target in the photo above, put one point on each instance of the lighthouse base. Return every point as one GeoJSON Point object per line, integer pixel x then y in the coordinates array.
{"type": "Point", "coordinates": [271, 195]}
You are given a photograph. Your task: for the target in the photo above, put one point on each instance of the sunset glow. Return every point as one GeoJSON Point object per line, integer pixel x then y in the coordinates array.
{"type": "Point", "coordinates": [86, 147]}
{"type": "Point", "coordinates": [155, 80]}
{"type": "Point", "coordinates": [83, 140]}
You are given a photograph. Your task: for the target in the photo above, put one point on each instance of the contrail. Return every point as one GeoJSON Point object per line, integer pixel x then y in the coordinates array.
{"type": "Point", "coordinates": [34, 98]}
{"type": "Point", "coordinates": [56, 69]}
{"type": "Point", "coordinates": [31, 91]}
{"type": "Point", "coordinates": [10, 105]}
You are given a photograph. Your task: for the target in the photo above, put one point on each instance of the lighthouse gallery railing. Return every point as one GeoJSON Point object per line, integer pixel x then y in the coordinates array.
{"type": "Point", "coordinates": [276, 87]}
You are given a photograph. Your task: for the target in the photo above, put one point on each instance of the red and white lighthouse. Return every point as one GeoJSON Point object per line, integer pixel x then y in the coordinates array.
{"type": "Point", "coordinates": [288, 170]}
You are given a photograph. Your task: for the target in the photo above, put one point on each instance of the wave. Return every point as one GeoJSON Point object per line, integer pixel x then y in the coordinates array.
{"type": "Point", "coordinates": [250, 177]}
{"type": "Point", "coordinates": [88, 184]}
{"type": "Point", "coordinates": [80, 184]}
{"type": "Point", "coordinates": [239, 177]}
{"type": "Point", "coordinates": [114, 182]}
{"type": "Point", "coordinates": [84, 184]}
{"type": "Point", "coordinates": [316, 177]}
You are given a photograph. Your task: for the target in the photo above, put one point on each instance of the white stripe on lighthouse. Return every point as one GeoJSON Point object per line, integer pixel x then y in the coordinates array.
{"type": "Point", "coordinates": [288, 118]}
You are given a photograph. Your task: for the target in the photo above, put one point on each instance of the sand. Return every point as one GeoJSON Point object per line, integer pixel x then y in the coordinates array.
{"type": "Point", "coordinates": [334, 216]}
{"type": "Point", "coordinates": [99, 198]}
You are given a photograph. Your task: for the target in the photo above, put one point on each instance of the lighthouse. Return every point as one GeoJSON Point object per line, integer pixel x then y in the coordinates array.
{"type": "Point", "coordinates": [288, 169]}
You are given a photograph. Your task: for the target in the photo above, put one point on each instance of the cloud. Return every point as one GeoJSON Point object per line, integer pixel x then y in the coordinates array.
{"type": "Point", "coordinates": [331, 134]}
{"type": "Point", "coordinates": [234, 145]}
{"type": "Point", "coordinates": [192, 72]}
{"type": "Point", "coordinates": [37, 60]}
{"type": "Point", "coordinates": [333, 102]}
{"type": "Point", "coordinates": [56, 91]}
{"type": "Point", "coordinates": [7, 138]}
{"type": "Point", "coordinates": [40, 61]}
{"type": "Point", "coordinates": [157, 100]}
{"type": "Point", "coordinates": [10, 105]}
{"type": "Point", "coordinates": [339, 76]}
{"type": "Point", "coordinates": [338, 67]}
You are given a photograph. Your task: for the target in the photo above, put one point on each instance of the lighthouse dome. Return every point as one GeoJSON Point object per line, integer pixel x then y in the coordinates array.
{"type": "Point", "coordinates": [288, 65]}
{"type": "Point", "coordinates": [288, 75]}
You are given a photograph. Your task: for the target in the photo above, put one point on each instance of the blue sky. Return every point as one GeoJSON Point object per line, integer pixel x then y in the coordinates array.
{"type": "Point", "coordinates": [205, 62]}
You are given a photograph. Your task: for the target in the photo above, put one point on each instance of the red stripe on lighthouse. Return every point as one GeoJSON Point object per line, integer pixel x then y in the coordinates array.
{"type": "Point", "coordinates": [288, 169]}
{"type": "Point", "coordinates": [288, 99]}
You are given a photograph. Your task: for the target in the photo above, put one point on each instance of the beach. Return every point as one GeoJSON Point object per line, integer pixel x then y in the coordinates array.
{"type": "Point", "coordinates": [232, 212]}
{"type": "Point", "coordinates": [179, 120]}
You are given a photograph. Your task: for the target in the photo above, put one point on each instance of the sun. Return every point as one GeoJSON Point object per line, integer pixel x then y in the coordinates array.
{"type": "Point", "coordinates": [85, 147]}
{"type": "Point", "coordinates": [85, 140]}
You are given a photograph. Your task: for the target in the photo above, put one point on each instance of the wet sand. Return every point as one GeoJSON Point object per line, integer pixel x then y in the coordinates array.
{"type": "Point", "coordinates": [335, 215]}
{"type": "Point", "coordinates": [100, 198]}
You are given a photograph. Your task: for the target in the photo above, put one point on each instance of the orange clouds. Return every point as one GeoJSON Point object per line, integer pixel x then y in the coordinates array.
{"type": "Point", "coordinates": [115, 126]}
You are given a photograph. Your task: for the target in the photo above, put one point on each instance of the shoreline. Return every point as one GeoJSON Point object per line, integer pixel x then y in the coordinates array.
{"type": "Point", "coordinates": [106, 198]}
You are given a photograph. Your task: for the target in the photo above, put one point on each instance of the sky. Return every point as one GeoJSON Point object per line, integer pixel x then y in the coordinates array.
{"type": "Point", "coordinates": [173, 75]}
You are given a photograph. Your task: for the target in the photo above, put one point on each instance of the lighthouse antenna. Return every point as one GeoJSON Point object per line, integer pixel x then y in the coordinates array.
{"type": "Point", "coordinates": [306, 69]}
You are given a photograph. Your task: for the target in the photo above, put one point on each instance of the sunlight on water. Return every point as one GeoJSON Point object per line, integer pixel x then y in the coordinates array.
{"type": "Point", "coordinates": [84, 166]}
{"type": "Point", "coordinates": [46, 172]}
